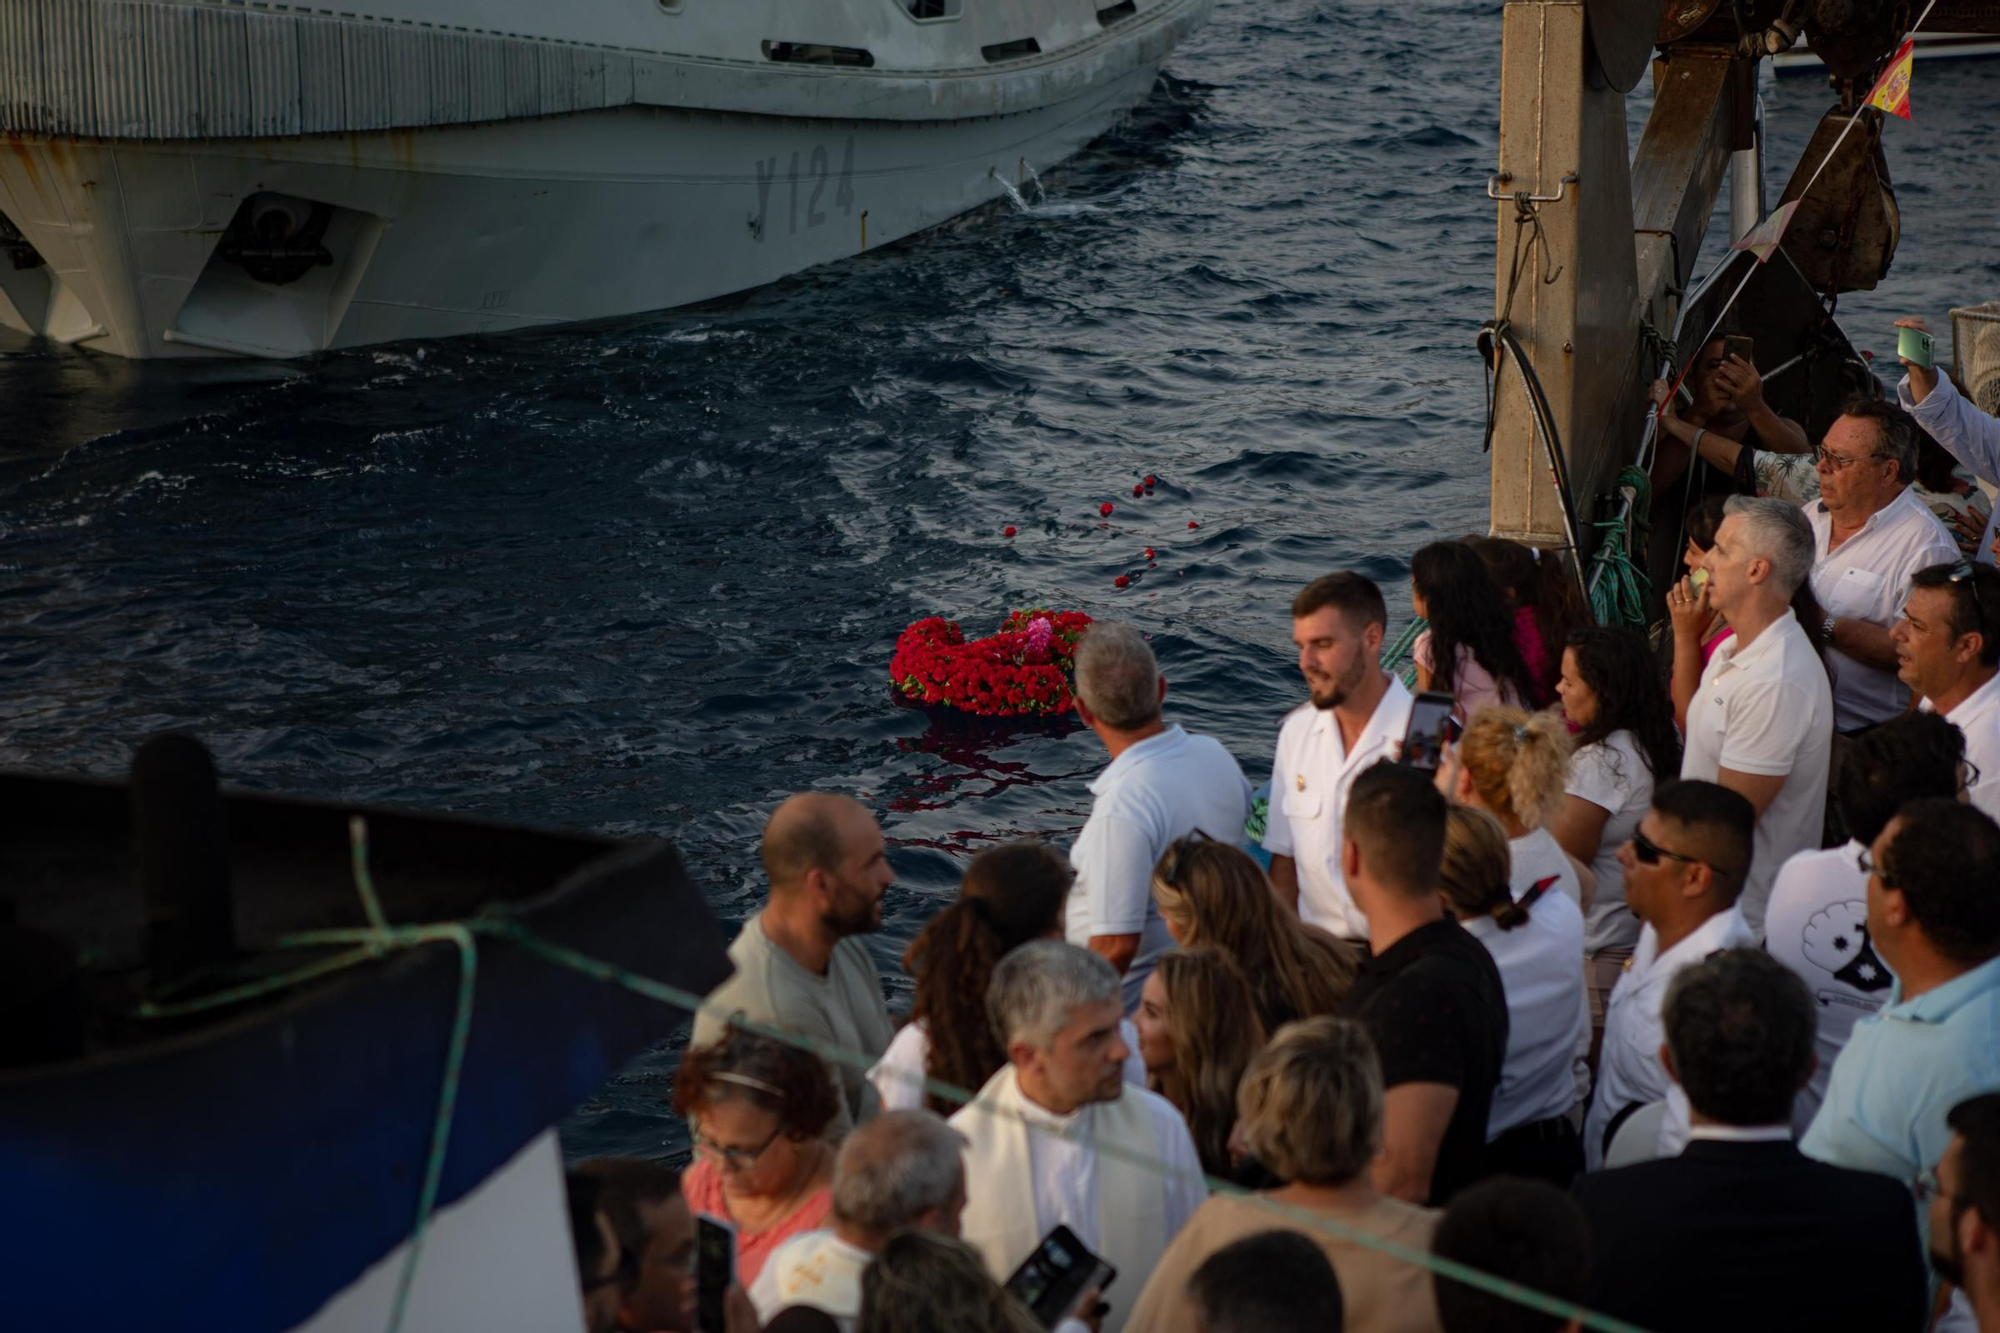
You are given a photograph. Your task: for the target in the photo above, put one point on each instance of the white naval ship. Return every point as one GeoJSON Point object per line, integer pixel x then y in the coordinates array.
{"type": "Point", "coordinates": [253, 178]}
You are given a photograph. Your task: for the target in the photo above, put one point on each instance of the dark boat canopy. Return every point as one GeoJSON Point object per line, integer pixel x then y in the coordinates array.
{"type": "Point", "coordinates": [234, 1168]}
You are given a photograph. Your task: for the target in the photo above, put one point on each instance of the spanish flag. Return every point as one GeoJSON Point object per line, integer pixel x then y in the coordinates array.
{"type": "Point", "coordinates": [1762, 240]}
{"type": "Point", "coordinates": [1892, 91]}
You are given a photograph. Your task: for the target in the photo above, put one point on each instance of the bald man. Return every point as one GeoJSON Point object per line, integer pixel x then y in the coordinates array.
{"type": "Point", "coordinates": [798, 963]}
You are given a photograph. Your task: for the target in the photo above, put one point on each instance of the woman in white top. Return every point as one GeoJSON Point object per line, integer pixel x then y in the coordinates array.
{"type": "Point", "coordinates": [1512, 764]}
{"type": "Point", "coordinates": [1468, 651]}
{"type": "Point", "coordinates": [1625, 744]}
{"type": "Point", "coordinates": [1010, 894]}
{"type": "Point", "coordinates": [1536, 939]}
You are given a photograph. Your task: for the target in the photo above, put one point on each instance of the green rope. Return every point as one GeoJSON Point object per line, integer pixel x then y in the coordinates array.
{"type": "Point", "coordinates": [1396, 657]}
{"type": "Point", "coordinates": [1618, 585]}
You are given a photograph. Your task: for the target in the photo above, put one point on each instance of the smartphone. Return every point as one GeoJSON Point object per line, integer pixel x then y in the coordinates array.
{"type": "Point", "coordinates": [1050, 1280]}
{"type": "Point", "coordinates": [1737, 344]}
{"type": "Point", "coordinates": [1431, 728]}
{"type": "Point", "coordinates": [714, 1270]}
{"type": "Point", "coordinates": [1915, 346]}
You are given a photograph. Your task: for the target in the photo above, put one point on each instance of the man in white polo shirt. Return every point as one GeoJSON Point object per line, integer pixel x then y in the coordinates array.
{"type": "Point", "coordinates": [1357, 715]}
{"type": "Point", "coordinates": [1162, 784]}
{"type": "Point", "coordinates": [1817, 920]}
{"type": "Point", "coordinates": [1760, 720]}
{"type": "Point", "coordinates": [1870, 534]}
{"type": "Point", "coordinates": [1684, 870]}
{"type": "Point", "coordinates": [1948, 651]}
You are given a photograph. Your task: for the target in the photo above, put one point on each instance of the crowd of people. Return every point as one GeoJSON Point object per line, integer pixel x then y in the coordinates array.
{"type": "Point", "coordinates": [1671, 990]}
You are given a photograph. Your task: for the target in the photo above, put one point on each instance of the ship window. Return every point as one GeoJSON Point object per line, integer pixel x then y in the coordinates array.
{"type": "Point", "coordinates": [999, 51]}
{"type": "Point", "coordinates": [813, 53]}
{"type": "Point", "coordinates": [1125, 10]}
{"type": "Point", "coordinates": [933, 9]}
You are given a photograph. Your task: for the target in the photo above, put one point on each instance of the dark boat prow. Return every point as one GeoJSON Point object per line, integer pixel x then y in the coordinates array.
{"type": "Point", "coordinates": [249, 1162]}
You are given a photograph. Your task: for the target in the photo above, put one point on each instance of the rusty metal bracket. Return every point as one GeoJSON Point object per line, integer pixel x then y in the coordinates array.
{"type": "Point", "coordinates": [1500, 178]}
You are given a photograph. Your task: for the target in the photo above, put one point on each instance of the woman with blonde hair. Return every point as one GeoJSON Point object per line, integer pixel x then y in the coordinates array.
{"type": "Point", "coordinates": [1198, 1029]}
{"type": "Point", "coordinates": [1537, 944]}
{"type": "Point", "coordinates": [1310, 1109]}
{"type": "Point", "coordinates": [1514, 765]}
{"type": "Point", "coordinates": [1210, 892]}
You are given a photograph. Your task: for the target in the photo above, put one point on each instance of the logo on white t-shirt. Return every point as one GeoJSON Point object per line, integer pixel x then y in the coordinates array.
{"type": "Point", "coordinates": [1835, 940]}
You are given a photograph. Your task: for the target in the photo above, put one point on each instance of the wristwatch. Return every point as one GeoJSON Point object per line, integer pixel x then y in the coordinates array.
{"type": "Point", "coordinates": [1827, 628]}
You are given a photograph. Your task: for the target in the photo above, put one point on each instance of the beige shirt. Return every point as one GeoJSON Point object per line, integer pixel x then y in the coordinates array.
{"type": "Point", "coordinates": [1379, 1294]}
{"type": "Point", "coordinates": [844, 1008]}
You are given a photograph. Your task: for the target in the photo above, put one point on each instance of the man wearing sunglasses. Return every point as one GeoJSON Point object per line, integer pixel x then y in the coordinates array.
{"type": "Point", "coordinates": [1934, 917]}
{"type": "Point", "coordinates": [1685, 867]}
{"type": "Point", "coordinates": [1948, 652]}
{"type": "Point", "coordinates": [1870, 534]}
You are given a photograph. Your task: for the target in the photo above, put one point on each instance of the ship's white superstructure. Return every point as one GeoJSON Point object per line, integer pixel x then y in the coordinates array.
{"type": "Point", "coordinates": [202, 177]}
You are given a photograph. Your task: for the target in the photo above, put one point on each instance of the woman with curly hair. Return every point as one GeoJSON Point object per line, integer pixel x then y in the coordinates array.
{"type": "Point", "coordinates": [758, 1112]}
{"type": "Point", "coordinates": [1543, 597]}
{"type": "Point", "coordinates": [1469, 650]}
{"type": "Point", "coordinates": [1213, 893]}
{"type": "Point", "coordinates": [1198, 1029]}
{"type": "Point", "coordinates": [1011, 894]}
{"type": "Point", "coordinates": [1513, 764]}
{"type": "Point", "coordinates": [1626, 744]}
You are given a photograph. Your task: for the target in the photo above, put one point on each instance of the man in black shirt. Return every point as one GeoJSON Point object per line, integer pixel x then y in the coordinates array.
{"type": "Point", "coordinates": [1429, 994]}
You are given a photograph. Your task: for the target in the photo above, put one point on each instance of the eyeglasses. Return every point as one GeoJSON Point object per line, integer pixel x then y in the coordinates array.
{"type": "Point", "coordinates": [1870, 866]}
{"type": "Point", "coordinates": [1177, 850]}
{"type": "Point", "coordinates": [1927, 1187]}
{"type": "Point", "coordinates": [1962, 573]}
{"type": "Point", "coordinates": [1650, 852]}
{"type": "Point", "coordinates": [1968, 774]}
{"type": "Point", "coordinates": [734, 1159]}
{"type": "Point", "coordinates": [1833, 462]}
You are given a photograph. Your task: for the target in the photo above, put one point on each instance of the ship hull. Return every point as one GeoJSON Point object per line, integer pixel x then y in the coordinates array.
{"type": "Point", "coordinates": [494, 227]}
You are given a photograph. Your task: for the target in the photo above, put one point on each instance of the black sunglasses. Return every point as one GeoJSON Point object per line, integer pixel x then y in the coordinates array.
{"type": "Point", "coordinates": [1650, 852]}
{"type": "Point", "coordinates": [1962, 573]}
{"type": "Point", "coordinates": [1170, 863]}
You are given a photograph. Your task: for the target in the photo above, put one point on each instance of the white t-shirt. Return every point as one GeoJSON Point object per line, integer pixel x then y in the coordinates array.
{"type": "Point", "coordinates": [1868, 578]}
{"type": "Point", "coordinates": [1817, 925]}
{"type": "Point", "coordinates": [898, 1076]}
{"type": "Point", "coordinates": [1536, 856]}
{"type": "Point", "coordinates": [1978, 718]}
{"type": "Point", "coordinates": [1629, 1072]}
{"type": "Point", "coordinates": [1767, 710]}
{"type": "Point", "coordinates": [1611, 775]}
{"type": "Point", "coordinates": [815, 1268]}
{"type": "Point", "coordinates": [1311, 775]}
{"type": "Point", "coordinates": [1163, 788]}
{"type": "Point", "coordinates": [1548, 1014]}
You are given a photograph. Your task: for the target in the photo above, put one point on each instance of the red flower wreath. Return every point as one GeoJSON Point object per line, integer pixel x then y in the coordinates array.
{"type": "Point", "coordinates": [1024, 669]}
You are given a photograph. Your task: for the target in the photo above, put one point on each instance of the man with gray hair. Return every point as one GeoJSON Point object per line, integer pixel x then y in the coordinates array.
{"type": "Point", "coordinates": [1162, 783]}
{"type": "Point", "coordinates": [1759, 716]}
{"type": "Point", "coordinates": [900, 1170]}
{"type": "Point", "coordinates": [1870, 534]}
{"type": "Point", "coordinates": [1034, 1133]}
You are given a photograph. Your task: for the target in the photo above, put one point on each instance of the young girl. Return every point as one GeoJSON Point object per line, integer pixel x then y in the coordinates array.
{"type": "Point", "coordinates": [1544, 600]}
{"type": "Point", "coordinates": [1469, 650]}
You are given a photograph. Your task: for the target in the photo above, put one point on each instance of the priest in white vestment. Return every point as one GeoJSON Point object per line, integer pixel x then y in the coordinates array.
{"type": "Point", "coordinates": [1033, 1136]}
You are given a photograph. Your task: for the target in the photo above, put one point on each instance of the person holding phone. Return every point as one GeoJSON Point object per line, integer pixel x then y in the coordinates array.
{"type": "Point", "coordinates": [1726, 411]}
{"type": "Point", "coordinates": [1967, 434]}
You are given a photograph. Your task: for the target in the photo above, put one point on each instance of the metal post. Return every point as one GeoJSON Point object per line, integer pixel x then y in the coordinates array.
{"type": "Point", "coordinates": [1746, 182]}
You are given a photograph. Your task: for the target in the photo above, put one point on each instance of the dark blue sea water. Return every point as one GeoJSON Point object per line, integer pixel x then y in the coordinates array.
{"type": "Point", "coordinates": [645, 577]}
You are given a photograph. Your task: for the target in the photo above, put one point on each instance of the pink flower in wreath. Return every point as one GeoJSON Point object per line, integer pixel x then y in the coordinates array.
{"type": "Point", "coordinates": [1040, 631]}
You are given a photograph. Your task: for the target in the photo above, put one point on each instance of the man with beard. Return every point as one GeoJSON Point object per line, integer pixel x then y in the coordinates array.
{"type": "Point", "coordinates": [1963, 1200]}
{"type": "Point", "coordinates": [798, 963]}
{"type": "Point", "coordinates": [1356, 716]}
